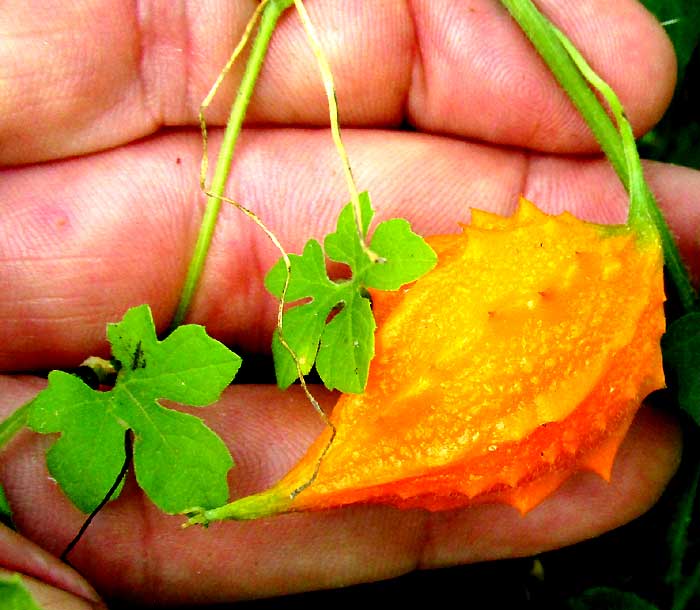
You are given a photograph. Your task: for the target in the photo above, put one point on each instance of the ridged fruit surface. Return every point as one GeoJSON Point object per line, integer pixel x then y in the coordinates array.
{"type": "Point", "coordinates": [519, 360]}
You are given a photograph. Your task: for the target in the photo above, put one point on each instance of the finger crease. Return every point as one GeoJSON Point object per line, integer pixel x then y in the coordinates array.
{"type": "Point", "coordinates": [139, 11]}
{"type": "Point", "coordinates": [526, 171]}
{"type": "Point", "coordinates": [417, 68]}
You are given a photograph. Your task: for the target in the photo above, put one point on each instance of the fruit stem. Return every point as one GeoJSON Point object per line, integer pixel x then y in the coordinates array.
{"type": "Point", "coordinates": [270, 15]}
{"type": "Point", "coordinates": [264, 504]}
{"type": "Point", "coordinates": [540, 32]}
{"type": "Point", "coordinates": [575, 76]}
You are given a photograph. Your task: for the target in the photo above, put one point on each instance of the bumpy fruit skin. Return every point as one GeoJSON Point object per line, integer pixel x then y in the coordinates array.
{"type": "Point", "coordinates": [519, 360]}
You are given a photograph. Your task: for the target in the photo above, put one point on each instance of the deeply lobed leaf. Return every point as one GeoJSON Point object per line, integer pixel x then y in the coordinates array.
{"type": "Point", "coordinates": [179, 462]}
{"type": "Point", "coordinates": [335, 326]}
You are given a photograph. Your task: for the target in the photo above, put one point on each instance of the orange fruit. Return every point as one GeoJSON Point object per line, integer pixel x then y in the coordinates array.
{"type": "Point", "coordinates": [519, 360]}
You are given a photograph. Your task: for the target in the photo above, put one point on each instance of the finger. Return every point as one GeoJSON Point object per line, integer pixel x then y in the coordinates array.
{"type": "Point", "coordinates": [49, 580]}
{"type": "Point", "coordinates": [19, 555]}
{"type": "Point", "coordinates": [83, 240]}
{"type": "Point", "coordinates": [455, 68]}
{"type": "Point", "coordinates": [479, 77]}
{"type": "Point", "coordinates": [46, 596]}
{"type": "Point", "coordinates": [131, 551]}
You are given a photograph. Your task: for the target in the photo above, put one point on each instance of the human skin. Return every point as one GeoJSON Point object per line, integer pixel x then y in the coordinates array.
{"type": "Point", "coordinates": [101, 206]}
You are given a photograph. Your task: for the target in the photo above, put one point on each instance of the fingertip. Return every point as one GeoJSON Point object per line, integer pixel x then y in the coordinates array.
{"type": "Point", "coordinates": [627, 45]}
{"type": "Point", "coordinates": [479, 77]}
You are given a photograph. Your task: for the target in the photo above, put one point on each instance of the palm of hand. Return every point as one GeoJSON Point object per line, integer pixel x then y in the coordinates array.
{"type": "Point", "coordinates": [109, 219]}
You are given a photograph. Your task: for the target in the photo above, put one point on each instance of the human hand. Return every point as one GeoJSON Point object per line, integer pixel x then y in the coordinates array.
{"type": "Point", "coordinates": [101, 207]}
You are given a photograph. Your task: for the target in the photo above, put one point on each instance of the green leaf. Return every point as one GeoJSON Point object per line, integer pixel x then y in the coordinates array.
{"type": "Point", "coordinates": [348, 338]}
{"type": "Point", "coordinates": [334, 326]}
{"type": "Point", "coordinates": [14, 595]}
{"type": "Point", "coordinates": [406, 256]}
{"type": "Point", "coordinates": [302, 327]}
{"type": "Point", "coordinates": [681, 348]}
{"type": "Point", "coordinates": [308, 271]}
{"type": "Point", "coordinates": [179, 462]}
{"type": "Point", "coordinates": [607, 598]}
{"type": "Point", "coordinates": [343, 245]}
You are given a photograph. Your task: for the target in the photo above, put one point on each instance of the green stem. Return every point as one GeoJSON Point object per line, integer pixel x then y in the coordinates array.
{"type": "Point", "coordinates": [13, 424]}
{"type": "Point", "coordinates": [687, 590]}
{"type": "Point", "coordinates": [574, 75]}
{"type": "Point", "coordinates": [539, 30]}
{"type": "Point", "coordinates": [271, 14]}
{"type": "Point", "coordinates": [264, 504]}
{"type": "Point", "coordinates": [678, 532]}
{"type": "Point", "coordinates": [672, 257]}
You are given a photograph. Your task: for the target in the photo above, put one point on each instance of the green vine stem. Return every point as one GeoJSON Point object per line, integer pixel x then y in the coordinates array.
{"type": "Point", "coordinates": [329, 86]}
{"type": "Point", "coordinates": [270, 15]}
{"type": "Point", "coordinates": [574, 75]}
{"type": "Point", "coordinates": [639, 215]}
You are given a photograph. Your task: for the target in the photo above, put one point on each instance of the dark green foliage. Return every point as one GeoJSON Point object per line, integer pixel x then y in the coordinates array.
{"type": "Point", "coordinates": [605, 598]}
{"type": "Point", "coordinates": [680, 18]}
{"type": "Point", "coordinates": [676, 139]}
{"type": "Point", "coordinates": [681, 345]}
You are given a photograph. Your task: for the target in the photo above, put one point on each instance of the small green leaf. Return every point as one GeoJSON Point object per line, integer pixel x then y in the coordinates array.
{"type": "Point", "coordinates": [343, 245]}
{"type": "Point", "coordinates": [335, 326]}
{"type": "Point", "coordinates": [302, 327]}
{"type": "Point", "coordinates": [681, 348]}
{"type": "Point", "coordinates": [178, 461]}
{"type": "Point", "coordinates": [405, 253]}
{"type": "Point", "coordinates": [607, 598]}
{"type": "Point", "coordinates": [14, 595]}
{"type": "Point", "coordinates": [307, 272]}
{"type": "Point", "coordinates": [348, 339]}
{"type": "Point", "coordinates": [84, 468]}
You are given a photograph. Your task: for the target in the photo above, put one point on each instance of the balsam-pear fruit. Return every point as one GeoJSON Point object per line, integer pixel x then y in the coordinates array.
{"type": "Point", "coordinates": [519, 360]}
